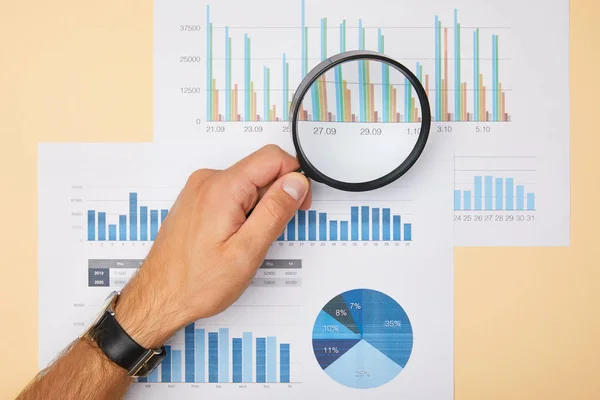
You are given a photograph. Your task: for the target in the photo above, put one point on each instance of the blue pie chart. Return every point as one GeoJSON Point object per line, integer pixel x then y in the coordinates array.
{"type": "Point", "coordinates": [362, 338]}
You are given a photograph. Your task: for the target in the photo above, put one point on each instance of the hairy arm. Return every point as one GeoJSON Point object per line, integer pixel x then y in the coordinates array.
{"type": "Point", "coordinates": [81, 372]}
{"type": "Point", "coordinates": [204, 256]}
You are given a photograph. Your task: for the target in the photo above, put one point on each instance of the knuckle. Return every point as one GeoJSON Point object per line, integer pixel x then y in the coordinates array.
{"type": "Point", "coordinates": [198, 177]}
{"type": "Point", "coordinates": [276, 207]}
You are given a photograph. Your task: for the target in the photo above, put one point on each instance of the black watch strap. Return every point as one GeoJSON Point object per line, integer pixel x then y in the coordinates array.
{"type": "Point", "coordinates": [120, 348]}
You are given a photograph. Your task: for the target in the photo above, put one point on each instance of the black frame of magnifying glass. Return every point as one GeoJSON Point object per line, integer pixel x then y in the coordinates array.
{"type": "Point", "coordinates": [310, 170]}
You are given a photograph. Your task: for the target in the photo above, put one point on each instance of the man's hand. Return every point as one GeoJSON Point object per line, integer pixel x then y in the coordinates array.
{"type": "Point", "coordinates": [203, 258]}
{"type": "Point", "coordinates": [208, 250]}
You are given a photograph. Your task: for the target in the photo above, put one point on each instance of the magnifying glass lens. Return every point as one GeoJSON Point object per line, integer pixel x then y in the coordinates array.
{"type": "Point", "coordinates": [360, 121]}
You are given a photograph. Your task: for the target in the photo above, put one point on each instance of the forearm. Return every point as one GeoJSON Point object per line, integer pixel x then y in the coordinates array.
{"type": "Point", "coordinates": [82, 372]}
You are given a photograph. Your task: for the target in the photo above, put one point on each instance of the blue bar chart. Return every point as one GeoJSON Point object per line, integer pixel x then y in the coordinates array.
{"type": "Point", "coordinates": [213, 356]}
{"type": "Point", "coordinates": [494, 194]}
{"type": "Point", "coordinates": [495, 183]}
{"type": "Point", "coordinates": [365, 223]}
{"type": "Point", "coordinates": [141, 223]}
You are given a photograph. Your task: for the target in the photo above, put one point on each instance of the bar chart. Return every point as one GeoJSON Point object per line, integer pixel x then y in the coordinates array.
{"type": "Point", "coordinates": [216, 356]}
{"type": "Point", "coordinates": [461, 72]}
{"type": "Point", "coordinates": [495, 183]}
{"type": "Point", "coordinates": [493, 193]}
{"type": "Point", "coordinates": [140, 223]}
{"type": "Point", "coordinates": [361, 223]}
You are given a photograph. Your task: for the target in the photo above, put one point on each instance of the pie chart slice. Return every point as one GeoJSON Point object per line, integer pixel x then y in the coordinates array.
{"type": "Point", "coordinates": [373, 356]}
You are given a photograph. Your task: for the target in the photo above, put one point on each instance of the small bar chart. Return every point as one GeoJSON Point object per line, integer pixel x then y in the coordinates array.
{"type": "Point", "coordinates": [495, 183]}
{"type": "Point", "coordinates": [491, 193]}
{"type": "Point", "coordinates": [214, 356]}
{"type": "Point", "coordinates": [365, 223]}
{"type": "Point", "coordinates": [140, 224]}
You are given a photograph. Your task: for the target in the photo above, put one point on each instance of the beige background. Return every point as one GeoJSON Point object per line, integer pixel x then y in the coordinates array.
{"type": "Point", "coordinates": [527, 320]}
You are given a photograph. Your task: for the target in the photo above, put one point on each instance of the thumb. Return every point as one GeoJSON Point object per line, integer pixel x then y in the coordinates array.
{"type": "Point", "coordinates": [272, 213]}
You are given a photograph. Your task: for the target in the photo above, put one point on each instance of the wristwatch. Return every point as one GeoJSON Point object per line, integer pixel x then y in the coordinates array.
{"type": "Point", "coordinates": [118, 346]}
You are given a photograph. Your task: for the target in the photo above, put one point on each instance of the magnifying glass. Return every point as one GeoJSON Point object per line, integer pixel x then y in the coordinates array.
{"type": "Point", "coordinates": [359, 121]}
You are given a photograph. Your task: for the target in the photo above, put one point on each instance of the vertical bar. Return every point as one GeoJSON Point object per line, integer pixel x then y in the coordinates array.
{"type": "Point", "coordinates": [499, 194]}
{"type": "Point", "coordinates": [437, 71]}
{"type": "Point", "coordinates": [176, 366]}
{"type": "Point", "coordinates": [247, 357]}
{"type": "Point", "coordinates": [467, 200]}
{"type": "Point", "coordinates": [361, 89]}
{"type": "Point", "coordinates": [261, 360]}
{"type": "Point", "coordinates": [133, 216]}
{"type": "Point", "coordinates": [284, 363]}
{"type": "Point", "coordinates": [323, 38]}
{"type": "Point", "coordinates": [456, 68]}
{"type": "Point", "coordinates": [165, 367]}
{"type": "Point", "coordinates": [208, 69]}
{"type": "Point", "coordinates": [200, 357]}
{"type": "Point", "coordinates": [153, 224]}
{"type": "Point", "coordinates": [333, 230]}
{"type": "Point", "coordinates": [223, 355]}
{"type": "Point", "coordinates": [301, 225]}
{"type": "Point", "coordinates": [91, 225]}
{"type": "Point", "coordinates": [227, 75]}
{"type": "Point", "coordinates": [375, 223]}
{"type": "Point", "coordinates": [457, 194]}
{"type": "Point", "coordinates": [285, 107]}
{"type": "Point", "coordinates": [312, 225]}
{"type": "Point", "coordinates": [478, 192]}
{"type": "Point", "coordinates": [364, 216]}
{"type": "Point", "coordinates": [163, 215]}
{"type": "Point", "coordinates": [407, 232]}
{"type": "Point", "coordinates": [510, 187]}
{"type": "Point", "coordinates": [237, 359]}
{"type": "Point", "coordinates": [154, 375]}
{"type": "Point", "coordinates": [101, 226]}
{"type": "Point", "coordinates": [397, 223]}
{"type": "Point", "coordinates": [520, 197]}
{"type": "Point", "coordinates": [247, 94]}
{"type": "Point", "coordinates": [494, 97]}
{"type": "Point", "coordinates": [386, 224]}
{"type": "Point", "coordinates": [489, 183]}
{"type": "Point", "coordinates": [190, 353]}
{"type": "Point", "coordinates": [291, 229]}
{"type": "Point", "coordinates": [445, 87]}
{"type": "Point", "coordinates": [271, 359]}
{"type": "Point", "coordinates": [143, 223]}
{"type": "Point", "coordinates": [265, 94]}
{"type": "Point", "coordinates": [112, 232]}
{"type": "Point", "coordinates": [354, 223]}
{"type": "Point", "coordinates": [304, 42]}
{"type": "Point", "coordinates": [344, 230]}
{"type": "Point", "coordinates": [213, 357]}
{"type": "Point", "coordinates": [123, 227]}
{"type": "Point", "coordinates": [530, 201]}
{"type": "Point", "coordinates": [323, 226]}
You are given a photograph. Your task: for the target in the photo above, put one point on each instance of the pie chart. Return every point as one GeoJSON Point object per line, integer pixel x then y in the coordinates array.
{"type": "Point", "coordinates": [362, 338]}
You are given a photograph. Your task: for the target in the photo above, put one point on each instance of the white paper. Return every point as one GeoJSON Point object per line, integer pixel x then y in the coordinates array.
{"type": "Point", "coordinates": [417, 274]}
{"type": "Point", "coordinates": [533, 72]}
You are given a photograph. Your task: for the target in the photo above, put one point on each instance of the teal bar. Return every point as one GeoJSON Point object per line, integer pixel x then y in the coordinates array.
{"type": "Point", "coordinates": [457, 194]}
{"type": "Point", "coordinates": [520, 197]}
{"type": "Point", "coordinates": [530, 202]}
{"type": "Point", "coordinates": [510, 185]}
{"type": "Point", "coordinates": [489, 192]}
{"type": "Point", "coordinates": [499, 194]}
{"type": "Point", "coordinates": [247, 357]}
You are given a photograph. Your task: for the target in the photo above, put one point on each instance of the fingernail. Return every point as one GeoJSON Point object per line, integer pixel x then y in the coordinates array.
{"type": "Point", "coordinates": [296, 186]}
